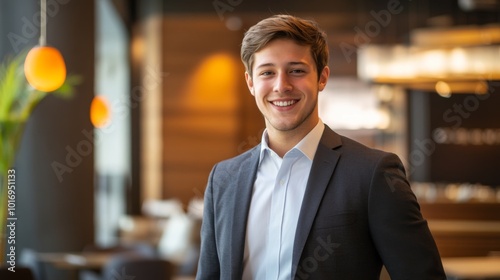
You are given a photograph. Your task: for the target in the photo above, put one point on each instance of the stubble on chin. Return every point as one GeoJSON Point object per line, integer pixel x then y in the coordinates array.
{"type": "Point", "coordinates": [283, 126]}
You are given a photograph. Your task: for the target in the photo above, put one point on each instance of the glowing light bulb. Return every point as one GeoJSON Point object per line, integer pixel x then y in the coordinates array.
{"type": "Point", "coordinates": [44, 68]}
{"type": "Point", "coordinates": [99, 112]}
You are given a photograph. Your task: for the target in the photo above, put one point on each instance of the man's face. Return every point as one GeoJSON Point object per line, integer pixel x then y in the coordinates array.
{"type": "Point", "coordinates": [285, 85]}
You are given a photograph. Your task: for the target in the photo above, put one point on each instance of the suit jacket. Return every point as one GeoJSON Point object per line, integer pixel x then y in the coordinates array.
{"type": "Point", "coordinates": [358, 214]}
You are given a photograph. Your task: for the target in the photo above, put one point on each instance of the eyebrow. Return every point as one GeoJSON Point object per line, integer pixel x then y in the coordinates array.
{"type": "Point", "coordinates": [293, 63]}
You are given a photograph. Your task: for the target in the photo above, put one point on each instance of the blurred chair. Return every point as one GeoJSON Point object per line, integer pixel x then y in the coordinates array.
{"type": "Point", "coordinates": [132, 266]}
{"type": "Point", "coordinates": [180, 243]}
{"type": "Point", "coordinates": [162, 208]}
{"type": "Point", "coordinates": [21, 273]}
{"type": "Point", "coordinates": [134, 229]}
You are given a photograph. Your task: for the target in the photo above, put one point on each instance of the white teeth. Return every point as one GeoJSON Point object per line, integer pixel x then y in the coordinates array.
{"type": "Point", "coordinates": [284, 103]}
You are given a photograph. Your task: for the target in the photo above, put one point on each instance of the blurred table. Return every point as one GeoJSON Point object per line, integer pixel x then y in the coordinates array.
{"type": "Point", "coordinates": [83, 260]}
{"type": "Point", "coordinates": [77, 260]}
{"type": "Point", "coordinates": [472, 267]}
{"type": "Point", "coordinates": [72, 262]}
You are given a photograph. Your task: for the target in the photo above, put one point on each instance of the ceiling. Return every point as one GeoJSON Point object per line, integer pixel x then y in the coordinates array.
{"type": "Point", "coordinates": [345, 14]}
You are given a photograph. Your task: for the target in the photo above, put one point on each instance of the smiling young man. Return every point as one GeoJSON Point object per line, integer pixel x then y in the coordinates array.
{"type": "Point", "coordinates": [285, 83]}
{"type": "Point", "coordinates": [307, 203]}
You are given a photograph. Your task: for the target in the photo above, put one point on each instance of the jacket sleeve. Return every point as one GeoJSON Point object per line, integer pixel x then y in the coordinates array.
{"type": "Point", "coordinates": [208, 264]}
{"type": "Point", "coordinates": [400, 233]}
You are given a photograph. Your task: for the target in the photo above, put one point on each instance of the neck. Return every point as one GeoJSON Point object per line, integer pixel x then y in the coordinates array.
{"type": "Point", "coordinates": [280, 143]}
{"type": "Point", "coordinates": [283, 141]}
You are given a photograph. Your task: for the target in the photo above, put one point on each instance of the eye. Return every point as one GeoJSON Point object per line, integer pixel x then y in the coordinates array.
{"type": "Point", "coordinates": [266, 73]}
{"type": "Point", "coordinates": [297, 71]}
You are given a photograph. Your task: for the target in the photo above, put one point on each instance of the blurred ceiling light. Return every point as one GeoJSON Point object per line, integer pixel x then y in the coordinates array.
{"type": "Point", "coordinates": [137, 48]}
{"type": "Point", "coordinates": [433, 62]}
{"type": "Point", "coordinates": [99, 111]}
{"type": "Point", "coordinates": [462, 58]}
{"type": "Point", "coordinates": [458, 61]}
{"type": "Point", "coordinates": [44, 66]}
{"type": "Point", "coordinates": [379, 64]}
{"type": "Point", "coordinates": [443, 89]}
{"type": "Point", "coordinates": [397, 62]}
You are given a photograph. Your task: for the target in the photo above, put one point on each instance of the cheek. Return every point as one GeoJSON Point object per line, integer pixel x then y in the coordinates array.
{"type": "Point", "coordinates": [259, 97]}
{"type": "Point", "coordinates": [264, 85]}
{"type": "Point", "coordinates": [258, 90]}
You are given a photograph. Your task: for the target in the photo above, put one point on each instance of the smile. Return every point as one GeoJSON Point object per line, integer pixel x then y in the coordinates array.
{"type": "Point", "coordinates": [284, 103]}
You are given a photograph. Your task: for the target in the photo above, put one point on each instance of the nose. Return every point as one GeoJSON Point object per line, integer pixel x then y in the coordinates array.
{"type": "Point", "coordinates": [282, 84]}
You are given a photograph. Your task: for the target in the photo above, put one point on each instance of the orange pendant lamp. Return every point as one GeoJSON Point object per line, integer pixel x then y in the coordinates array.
{"type": "Point", "coordinates": [44, 66]}
{"type": "Point", "coordinates": [99, 111]}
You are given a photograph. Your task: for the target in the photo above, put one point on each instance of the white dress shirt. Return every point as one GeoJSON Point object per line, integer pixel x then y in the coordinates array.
{"type": "Point", "coordinates": [275, 206]}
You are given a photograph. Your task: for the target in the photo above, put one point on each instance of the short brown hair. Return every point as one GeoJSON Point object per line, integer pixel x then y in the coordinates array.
{"type": "Point", "coordinates": [303, 32]}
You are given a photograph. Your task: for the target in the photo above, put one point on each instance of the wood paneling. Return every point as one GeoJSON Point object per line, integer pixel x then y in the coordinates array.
{"type": "Point", "coordinates": [207, 109]}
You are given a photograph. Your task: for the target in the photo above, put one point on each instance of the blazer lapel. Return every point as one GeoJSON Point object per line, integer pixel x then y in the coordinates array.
{"type": "Point", "coordinates": [322, 169]}
{"type": "Point", "coordinates": [242, 197]}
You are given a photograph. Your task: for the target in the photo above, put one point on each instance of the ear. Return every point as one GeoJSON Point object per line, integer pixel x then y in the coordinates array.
{"type": "Point", "coordinates": [323, 78]}
{"type": "Point", "coordinates": [249, 80]}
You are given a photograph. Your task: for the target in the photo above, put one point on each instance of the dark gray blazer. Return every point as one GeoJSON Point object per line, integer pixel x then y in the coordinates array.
{"type": "Point", "coordinates": [358, 214]}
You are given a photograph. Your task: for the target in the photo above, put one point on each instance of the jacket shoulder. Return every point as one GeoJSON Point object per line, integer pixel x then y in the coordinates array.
{"type": "Point", "coordinates": [236, 162]}
{"type": "Point", "coordinates": [358, 149]}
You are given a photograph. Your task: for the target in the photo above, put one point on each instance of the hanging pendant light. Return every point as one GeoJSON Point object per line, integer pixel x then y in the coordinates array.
{"type": "Point", "coordinates": [44, 66]}
{"type": "Point", "coordinates": [100, 114]}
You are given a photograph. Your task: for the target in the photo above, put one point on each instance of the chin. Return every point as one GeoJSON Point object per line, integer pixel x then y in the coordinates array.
{"type": "Point", "coordinates": [286, 126]}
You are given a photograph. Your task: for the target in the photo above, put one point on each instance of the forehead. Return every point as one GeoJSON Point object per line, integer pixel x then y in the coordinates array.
{"type": "Point", "coordinates": [280, 51]}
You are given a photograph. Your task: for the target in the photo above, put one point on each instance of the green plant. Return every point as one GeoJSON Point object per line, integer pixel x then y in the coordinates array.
{"type": "Point", "coordinates": [17, 101]}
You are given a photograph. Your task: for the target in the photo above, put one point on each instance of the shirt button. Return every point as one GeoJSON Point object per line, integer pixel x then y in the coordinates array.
{"type": "Point", "coordinates": [282, 182]}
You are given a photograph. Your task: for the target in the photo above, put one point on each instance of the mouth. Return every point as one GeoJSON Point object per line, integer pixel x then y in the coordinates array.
{"type": "Point", "coordinates": [284, 103]}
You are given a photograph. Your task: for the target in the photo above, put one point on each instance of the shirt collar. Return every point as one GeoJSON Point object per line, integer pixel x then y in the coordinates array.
{"type": "Point", "coordinates": [308, 145]}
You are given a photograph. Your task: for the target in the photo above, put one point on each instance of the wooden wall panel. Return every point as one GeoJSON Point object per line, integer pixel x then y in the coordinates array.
{"type": "Point", "coordinates": [207, 109]}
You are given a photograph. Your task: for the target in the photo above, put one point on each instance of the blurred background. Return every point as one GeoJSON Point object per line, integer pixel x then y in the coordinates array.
{"type": "Point", "coordinates": [418, 78]}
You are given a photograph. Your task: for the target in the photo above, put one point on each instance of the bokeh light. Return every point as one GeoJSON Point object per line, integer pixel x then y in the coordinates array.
{"type": "Point", "coordinates": [100, 113]}
{"type": "Point", "coordinates": [44, 68]}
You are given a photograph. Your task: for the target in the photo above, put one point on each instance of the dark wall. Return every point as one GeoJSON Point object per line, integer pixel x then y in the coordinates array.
{"type": "Point", "coordinates": [456, 139]}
